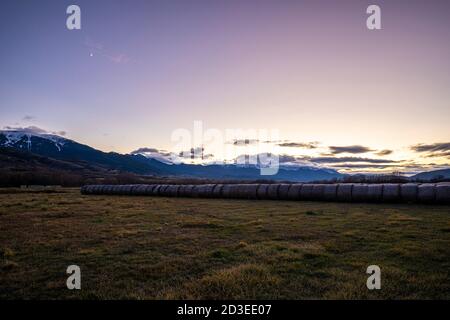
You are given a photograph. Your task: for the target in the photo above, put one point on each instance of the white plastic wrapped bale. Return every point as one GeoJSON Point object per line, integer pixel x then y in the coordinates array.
{"type": "Point", "coordinates": [83, 190]}
{"type": "Point", "coordinates": [330, 192]}
{"type": "Point", "coordinates": [226, 191]}
{"type": "Point", "coordinates": [344, 192]}
{"type": "Point", "coordinates": [272, 191]}
{"type": "Point", "coordinates": [391, 192]}
{"type": "Point", "coordinates": [149, 189]}
{"type": "Point", "coordinates": [283, 191]}
{"type": "Point", "coordinates": [217, 191]}
{"type": "Point", "coordinates": [262, 191]}
{"type": "Point", "coordinates": [408, 192]}
{"type": "Point", "coordinates": [359, 192]}
{"type": "Point", "coordinates": [317, 192]}
{"type": "Point", "coordinates": [426, 192]}
{"type": "Point", "coordinates": [306, 191]}
{"type": "Point", "coordinates": [155, 191]}
{"type": "Point", "coordinates": [172, 190]}
{"type": "Point", "coordinates": [249, 191]}
{"type": "Point", "coordinates": [186, 191]}
{"type": "Point", "coordinates": [139, 190]}
{"type": "Point", "coordinates": [206, 190]}
{"type": "Point", "coordinates": [111, 189]}
{"type": "Point", "coordinates": [374, 192]}
{"type": "Point", "coordinates": [163, 190]}
{"type": "Point", "coordinates": [443, 192]}
{"type": "Point", "coordinates": [294, 191]}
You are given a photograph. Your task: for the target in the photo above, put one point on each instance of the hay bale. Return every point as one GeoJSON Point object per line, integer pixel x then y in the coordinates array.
{"type": "Point", "coordinates": [272, 191]}
{"type": "Point", "coordinates": [171, 191]}
{"type": "Point", "coordinates": [226, 191]}
{"type": "Point", "coordinates": [128, 189]}
{"type": "Point", "coordinates": [83, 190]}
{"type": "Point", "coordinates": [148, 190]}
{"type": "Point", "coordinates": [374, 192]}
{"type": "Point", "coordinates": [360, 192]}
{"type": "Point", "coordinates": [217, 191]}
{"type": "Point", "coordinates": [344, 192]}
{"type": "Point", "coordinates": [120, 190]}
{"type": "Point", "coordinates": [163, 190]}
{"type": "Point", "coordinates": [97, 189]}
{"type": "Point", "coordinates": [155, 191]}
{"type": "Point", "coordinates": [108, 189]}
{"type": "Point", "coordinates": [443, 192]}
{"type": "Point", "coordinates": [294, 191]}
{"type": "Point", "coordinates": [317, 192]}
{"type": "Point", "coordinates": [139, 190]}
{"type": "Point", "coordinates": [205, 190]}
{"type": "Point", "coordinates": [187, 192]}
{"type": "Point", "coordinates": [408, 192]}
{"type": "Point", "coordinates": [195, 191]}
{"type": "Point", "coordinates": [283, 191]}
{"type": "Point", "coordinates": [306, 191]}
{"type": "Point", "coordinates": [251, 191]}
{"type": "Point", "coordinates": [330, 192]}
{"type": "Point", "coordinates": [426, 192]}
{"type": "Point", "coordinates": [261, 192]}
{"type": "Point", "coordinates": [391, 192]}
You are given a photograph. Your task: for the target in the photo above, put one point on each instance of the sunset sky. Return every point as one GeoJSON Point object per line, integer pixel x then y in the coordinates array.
{"type": "Point", "coordinates": [311, 70]}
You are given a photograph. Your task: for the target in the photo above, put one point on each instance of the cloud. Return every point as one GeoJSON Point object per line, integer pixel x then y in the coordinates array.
{"type": "Point", "coordinates": [384, 152]}
{"type": "Point", "coordinates": [348, 159]}
{"type": "Point", "coordinates": [349, 149]}
{"type": "Point", "coordinates": [304, 145]}
{"type": "Point", "coordinates": [28, 118]}
{"type": "Point", "coordinates": [35, 130]}
{"type": "Point", "coordinates": [144, 150]}
{"type": "Point", "coordinates": [433, 150]}
{"type": "Point", "coordinates": [244, 142]}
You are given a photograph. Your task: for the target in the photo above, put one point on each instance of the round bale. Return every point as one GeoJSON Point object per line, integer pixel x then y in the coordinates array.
{"type": "Point", "coordinates": [306, 192]}
{"type": "Point", "coordinates": [217, 191]}
{"type": "Point", "coordinates": [360, 192]}
{"type": "Point", "coordinates": [443, 192]}
{"type": "Point", "coordinates": [344, 192]}
{"type": "Point", "coordinates": [374, 192]}
{"type": "Point", "coordinates": [272, 191]}
{"type": "Point", "coordinates": [391, 192]}
{"type": "Point", "coordinates": [262, 191]}
{"type": "Point", "coordinates": [283, 191]}
{"type": "Point", "coordinates": [250, 191]}
{"type": "Point", "coordinates": [163, 190]}
{"type": "Point", "coordinates": [294, 191]}
{"type": "Point", "coordinates": [426, 192]}
{"type": "Point", "coordinates": [408, 192]}
{"type": "Point", "coordinates": [187, 192]}
{"type": "Point", "coordinates": [317, 192]}
{"type": "Point", "coordinates": [330, 192]}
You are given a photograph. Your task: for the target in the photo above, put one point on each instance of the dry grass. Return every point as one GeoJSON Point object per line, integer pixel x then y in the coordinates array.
{"type": "Point", "coordinates": [164, 248]}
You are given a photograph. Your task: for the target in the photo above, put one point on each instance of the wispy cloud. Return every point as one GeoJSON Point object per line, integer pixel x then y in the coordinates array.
{"type": "Point", "coordinates": [384, 152]}
{"type": "Point", "coordinates": [34, 130]}
{"type": "Point", "coordinates": [304, 145]}
{"type": "Point", "coordinates": [349, 149]}
{"type": "Point", "coordinates": [440, 149]}
{"type": "Point", "coordinates": [28, 118]}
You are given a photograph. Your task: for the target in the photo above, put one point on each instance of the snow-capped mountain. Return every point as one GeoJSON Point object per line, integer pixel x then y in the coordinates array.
{"type": "Point", "coordinates": [28, 140]}
{"type": "Point", "coordinates": [60, 148]}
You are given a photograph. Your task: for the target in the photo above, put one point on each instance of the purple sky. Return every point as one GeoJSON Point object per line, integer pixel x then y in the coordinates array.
{"type": "Point", "coordinates": [138, 70]}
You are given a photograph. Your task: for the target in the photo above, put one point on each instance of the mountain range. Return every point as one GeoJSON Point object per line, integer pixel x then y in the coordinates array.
{"type": "Point", "coordinates": [57, 151]}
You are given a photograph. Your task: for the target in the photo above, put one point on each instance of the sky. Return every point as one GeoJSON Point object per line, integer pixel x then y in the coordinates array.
{"type": "Point", "coordinates": [139, 72]}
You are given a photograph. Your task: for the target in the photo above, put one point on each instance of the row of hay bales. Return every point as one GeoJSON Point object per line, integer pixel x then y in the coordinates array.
{"type": "Point", "coordinates": [344, 192]}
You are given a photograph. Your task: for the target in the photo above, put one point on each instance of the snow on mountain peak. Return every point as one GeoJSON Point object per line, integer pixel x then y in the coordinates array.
{"type": "Point", "coordinates": [13, 136]}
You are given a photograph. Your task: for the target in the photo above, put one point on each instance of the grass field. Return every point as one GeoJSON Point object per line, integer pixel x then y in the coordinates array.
{"type": "Point", "coordinates": [170, 248]}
